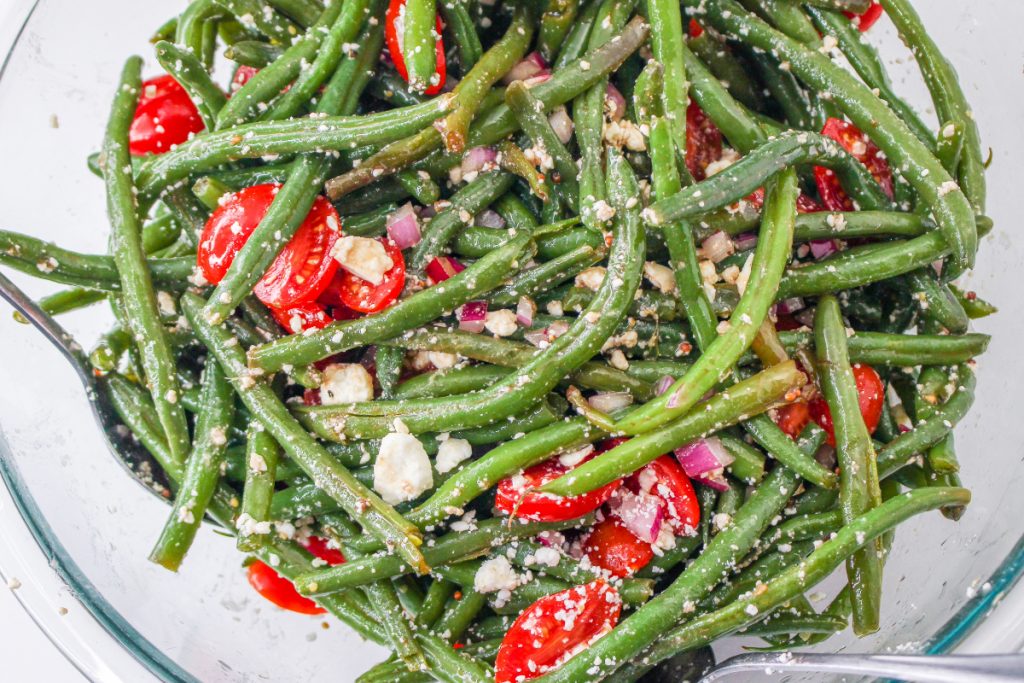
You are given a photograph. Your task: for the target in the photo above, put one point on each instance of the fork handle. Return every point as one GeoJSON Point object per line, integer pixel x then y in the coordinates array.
{"type": "Point", "coordinates": [920, 668]}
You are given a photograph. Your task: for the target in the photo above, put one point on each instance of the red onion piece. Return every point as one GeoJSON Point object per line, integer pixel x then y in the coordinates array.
{"type": "Point", "coordinates": [536, 80]}
{"type": "Point", "coordinates": [822, 248]}
{"type": "Point", "coordinates": [443, 267]}
{"type": "Point", "coordinates": [525, 310]}
{"type": "Point", "coordinates": [745, 241]}
{"type": "Point", "coordinates": [403, 227]}
{"type": "Point", "coordinates": [489, 219]}
{"type": "Point", "coordinates": [937, 266]}
{"type": "Point", "coordinates": [536, 337]}
{"type": "Point", "coordinates": [702, 456]}
{"type": "Point", "coordinates": [614, 103]}
{"type": "Point", "coordinates": [641, 513]}
{"type": "Point", "coordinates": [561, 124]}
{"type": "Point", "coordinates": [805, 317]}
{"type": "Point", "coordinates": [663, 385]}
{"type": "Point", "coordinates": [477, 158]}
{"type": "Point", "coordinates": [531, 65]}
{"type": "Point", "coordinates": [426, 211]}
{"type": "Point", "coordinates": [610, 401]}
{"type": "Point", "coordinates": [472, 316]}
{"type": "Point", "coordinates": [717, 246]}
{"type": "Point", "coordinates": [788, 306]}
{"type": "Point", "coordinates": [715, 480]}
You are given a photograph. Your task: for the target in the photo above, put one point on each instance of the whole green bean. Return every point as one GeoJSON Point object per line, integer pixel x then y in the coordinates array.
{"type": "Point", "coordinates": [261, 460]}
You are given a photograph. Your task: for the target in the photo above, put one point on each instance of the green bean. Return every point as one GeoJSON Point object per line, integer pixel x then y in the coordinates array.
{"type": "Point", "coordinates": [189, 31]}
{"type": "Point", "coordinates": [938, 302]}
{"type": "Point", "coordinates": [727, 68]}
{"type": "Point", "coordinates": [254, 53]}
{"type": "Point", "coordinates": [555, 25]}
{"type": "Point", "coordinates": [931, 181]}
{"type": "Point", "coordinates": [781, 447]}
{"type": "Point", "coordinates": [463, 205]}
{"type": "Point", "coordinates": [667, 44]}
{"type": "Point", "coordinates": [418, 41]}
{"type": "Point", "coordinates": [193, 77]}
{"type": "Point", "coordinates": [202, 471]}
{"type": "Point", "coordinates": [749, 397]}
{"type": "Point", "coordinates": [975, 306]}
{"type": "Point", "coordinates": [304, 12]}
{"type": "Point", "coordinates": [419, 309]}
{"type": "Point", "coordinates": [795, 580]}
{"type": "Point", "coordinates": [66, 301]}
{"type": "Point", "coordinates": [419, 185]}
{"type": "Point", "coordinates": [855, 6]}
{"type": "Point", "coordinates": [136, 283]}
{"type": "Point", "coordinates": [475, 242]}
{"type": "Point", "coordinates": [449, 549]}
{"type": "Point", "coordinates": [858, 484]}
{"type": "Point", "coordinates": [749, 463]}
{"type": "Point", "coordinates": [773, 251]}
{"type": "Point", "coordinates": [259, 15]}
{"type": "Point", "coordinates": [261, 464]}
{"type": "Point", "coordinates": [545, 276]}
{"type": "Point", "coordinates": [461, 615]}
{"type": "Point", "coordinates": [643, 627]}
{"type": "Point", "coordinates": [460, 24]}
{"type": "Point", "coordinates": [448, 382]}
{"type": "Point", "coordinates": [375, 515]}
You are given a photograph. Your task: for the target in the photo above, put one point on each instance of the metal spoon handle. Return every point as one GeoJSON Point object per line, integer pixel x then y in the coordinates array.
{"type": "Point", "coordinates": [921, 668]}
{"type": "Point", "coordinates": [45, 323]}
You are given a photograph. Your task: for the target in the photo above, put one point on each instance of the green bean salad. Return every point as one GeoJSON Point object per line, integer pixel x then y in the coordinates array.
{"type": "Point", "coordinates": [547, 339]}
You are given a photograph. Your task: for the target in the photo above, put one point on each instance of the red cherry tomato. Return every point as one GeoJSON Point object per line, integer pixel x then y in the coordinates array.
{"type": "Point", "coordinates": [868, 17]}
{"type": "Point", "coordinates": [514, 496]}
{"type": "Point", "coordinates": [394, 35]}
{"type": "Point", "coordinates": [667, 480]}
{"type": "Point", "coordinates": [360, 295]}
{"type": "Point", "coordinates": [792, 418]}
{"type": "Point", "coordinates": [554, 627]}
{"type": "Point", "coordinates": [694, 29]}
{"type": "Point", "coordinates": [298, 319]}
{"type": "Point", "coordinates": [703, 141]}
{"type": "Point", "coordinates": [243, 74]}
{"type": "Point", "coordinates": [613, 547]}
{"type": "Point", "coordinates": [280, 590]}
{"type": "Point", "coordinates": [804, 203]}
{"type": "Point", "coordinates": [865, 151]}
{"type": "Point", "coordinates": [870, 394]}
{"type": "Point", "coordinates": [164, 117]}
{"type": "Point", "coordinates": [301, 271]}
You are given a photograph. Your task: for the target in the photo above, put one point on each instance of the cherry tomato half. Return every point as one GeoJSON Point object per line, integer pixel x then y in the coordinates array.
{"type": "Point", "coordinates": [555, 626]}
{"type": "Point", "coordinates": [243, 74]}
{"type": "Point", "coordinates": [515, 498]}
{"type": "Point", "coordinates": [298, 319]}
{"type": "Point", "coordinates": [703, 141]}
{"type": "Point", "coordinates": [280, 590]}
{"type": "Point", "coordinates": [865, 151]}
{"type": "Point", "coordinates": [301, 271]}
{"type": "Point", "coordinates": [613, 547]}
{"type": "Point", "coordinates": [870, 394]}
{"type": "Point", "coordinates": [868, 17]}
{"type": "Point", "coordinates": [164, 117]}
{"type": "Point", "coordinates": [394, 35]}
{"type": "Point", "coordinates": [792, 418]}
{"type": "Point", "coordinates": [360, 295]}
{"type": "Point", "coordinates": [665, 478]}
{"type": "Point", "coordinates": [804, 203]}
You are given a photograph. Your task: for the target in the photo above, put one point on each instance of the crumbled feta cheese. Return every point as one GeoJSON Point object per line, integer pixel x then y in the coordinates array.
{"type": "Point", "coordinates": [618, 360]}
{"type": "Point", "coordinates": [728, 158]}
{"type": "Point", "coordinates": [450, 453]}
{"type": "Point", "coordinates": [363, 257]}
{"type": "Point", "coordinates": [549, 557]}
{"type": "Point", "coordinates": [625, 134]}
{"type": "Point", "coordinates": [660, 276]}
{"type": "Point", "coordinates": [402, 470]}
{"type": "Point", "coordinates": [442, 360]}
{"type": "Point", "coordinates": [501, 323]}
{"type": "Point", "coordinates": [248, 526]}
{"type": "Point", "coordinates": [603, 211]}
{"type": "Point", "coordinates": [591, 278]}
{"type": "Point", "coordinates": [495, 575]}
{"type": "Point", "coordinates": [345, 383]}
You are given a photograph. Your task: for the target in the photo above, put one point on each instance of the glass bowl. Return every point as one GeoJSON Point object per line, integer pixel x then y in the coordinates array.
{"type": "Point", "coordinates": [75, 531]}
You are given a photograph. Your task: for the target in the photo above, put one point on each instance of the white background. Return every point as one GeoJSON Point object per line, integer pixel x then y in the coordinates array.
{"type": "Point", "coordinates": [25, 652]}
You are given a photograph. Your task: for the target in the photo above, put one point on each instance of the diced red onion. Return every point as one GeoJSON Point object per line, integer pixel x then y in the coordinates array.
{"type": "Point", "coordinates": [715, 480]}
{"type": "Point", "coordinates": [489, 219]}
{"type": "Point", "coordinates": [663, 385]}
{"type": "Point", "coordinates": [557, 329]}
{"type": "Point", "coordinates": [745, 241]}
{"type": "Point", "coordinates": [937, 266]}
{"type": "Point", "coordinates": [614, 103]}
{"type": "Point", "coordinates": [536, 80]}
{"type": "Point", "coordinates": [702, 456]}
{"type": "Point", "coordinates": [441, 268]}
{"type": "Point", "coordinates": [561, 124]}
{"type": "Point", "coordinates": [403, 227]}
{"type": "Point", "coordinates": [427, 211]}
{"type": "Point", "coordinates": [531, 65]}
{"type": "Point", "coordinates": [805, 317]}
{"type": "Point", "coordinates": [826, 456]}
{"type": "Point", "coordinates": [525, 310]}
{"type": "Point", "coordinates": [717, 246]}
{"type": "Point", "coordinates": [536, 337]}
{"type": "Point", "coordinates": [610, 401]}
{"type": "Point", "coordinates": [789, 306]}
{"type": "Point", "coordinates": [477, 158]}
{"type": "Point", "coordinates": [472, 315]}
{"type": "Point", "coordinates": [822, 248]}
{"type": "Point", "coordinates": [641, 513]}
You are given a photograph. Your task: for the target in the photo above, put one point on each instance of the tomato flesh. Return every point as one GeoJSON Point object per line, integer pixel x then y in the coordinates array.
{"type": "Point", "coordinates": [555, 626]}
{"type": "Point", "coordinates": [870, 395]}
{"type": "Point", "coordinates": [703, 141]}
{"type": "Point", "coordinates": [866, 152]}
{"type": "Point", "coordinates": [243, 74]}
{"type": "Point", "coordinates": [613, 547]}
{"type": "Point", "coordinates": [298, 319]}
{"type": "Point", "coordinates": [164, 117]}
{"type": "Point", "coordinates": [804, 203]}
{"type": "Point", "coordinates": [280, 591]}
{"type": "Point", "coordinates": [792, 418]}
{"type": "Point", "coordinates": [868, 17]}
{"type": "Point", "coordinates": [394, 37]}
{"type": "Point", "coordinates": [363, 296]}
{"type": "Point", "coordinates": [301, 271]}
{"type": "Point", "coordinates": [667, 480]}
{"type": "Point", "coordinates": [514, 496]}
